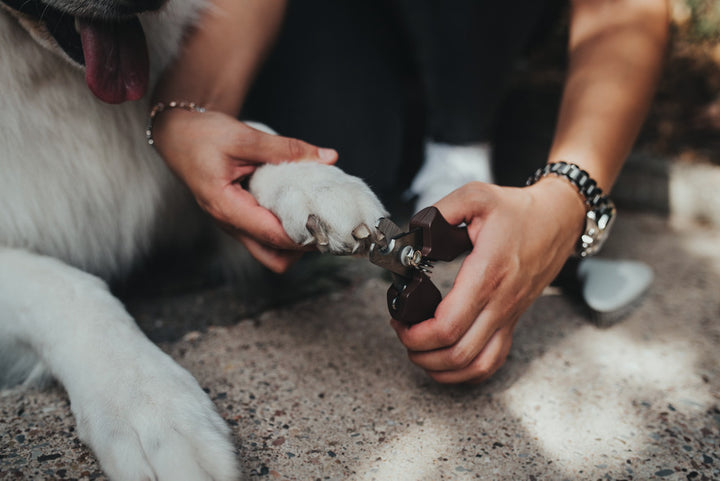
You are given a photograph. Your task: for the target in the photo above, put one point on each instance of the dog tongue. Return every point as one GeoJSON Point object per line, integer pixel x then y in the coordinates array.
{"type": "Point", "coordinates": [116, 59]}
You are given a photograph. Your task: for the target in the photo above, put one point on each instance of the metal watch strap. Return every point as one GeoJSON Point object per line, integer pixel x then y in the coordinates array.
{"type": "Point", "coordinates": [600, 210]}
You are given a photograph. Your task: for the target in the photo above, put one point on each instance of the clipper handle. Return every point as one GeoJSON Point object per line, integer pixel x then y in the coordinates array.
{"type": "Point", "coordinates": [441, 241]}
{"type": "Point", "coordinates": [415, 302]}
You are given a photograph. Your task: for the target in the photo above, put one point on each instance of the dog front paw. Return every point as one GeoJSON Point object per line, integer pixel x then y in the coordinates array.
{"type": "Point", "coordinates": [154, 422]}
{"type": "Point", "coordinates": [319, 204]}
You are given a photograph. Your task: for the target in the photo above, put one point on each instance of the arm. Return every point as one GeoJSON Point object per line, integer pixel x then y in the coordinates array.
{"type": "Point", "coordinates": [210, 152]}
{"type": "Point", "coordinates": [222, 53]}
{"type": "Point", "coordinates": [616, 50]}
{"type": "Point", "coordinates": [525, 235]}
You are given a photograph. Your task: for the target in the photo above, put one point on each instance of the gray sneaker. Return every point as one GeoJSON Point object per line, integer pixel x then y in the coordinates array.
{"type": "Point", "coordinates": [612, 288]}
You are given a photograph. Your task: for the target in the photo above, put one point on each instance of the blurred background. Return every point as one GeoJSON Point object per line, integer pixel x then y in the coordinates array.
{"type": "Point", "coordinates": [354, 76]}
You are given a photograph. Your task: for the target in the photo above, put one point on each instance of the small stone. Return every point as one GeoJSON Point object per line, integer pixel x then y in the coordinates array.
{"type": "Point", "coordinates": [664, 472]}
{"type": "Point", "coordinates": [48, 457]}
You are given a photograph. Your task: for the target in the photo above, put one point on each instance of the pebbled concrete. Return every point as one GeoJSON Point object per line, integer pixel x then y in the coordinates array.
{"type": "Point", "coordinates": [321, 389]}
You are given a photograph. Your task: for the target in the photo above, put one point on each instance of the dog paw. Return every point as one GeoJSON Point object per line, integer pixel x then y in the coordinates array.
{"type": "Point", "coordinates": [154, 422]}
{"type": "Point", "coordinates": [319, 204]}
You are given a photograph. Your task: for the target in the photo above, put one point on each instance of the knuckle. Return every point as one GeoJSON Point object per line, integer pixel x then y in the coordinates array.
{"type": "Point", "coordinates": [479, 193]}
{"type": "Point", "coordinates": [213, 210]}
{"type": "Point", "coordinates": [279, 267]}
{"type": "Point", "coordinates": [482, 371]}
{"type": "Point", "coordinates": [475, 188]}
{"type": "Point", "coordinates": [246, 137]}
{"type": "Point", "coordinates": [476, 191]}
{"type": "Point", "coordinates": [495, 275]}
{"type": "Point", "coordinates": [295, 148]}
{"type": "Point", "coordinates": [484, 368]}
{"type": "Point", "coordinates": [449, 334]}
{"type": "Point", "coordinates": [459, 357]}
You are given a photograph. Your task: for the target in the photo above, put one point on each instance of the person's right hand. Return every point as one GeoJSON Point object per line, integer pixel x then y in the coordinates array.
{"type": "Point", "coordinates": [521, 238]}
{"type": "Point", "coordinates": [211, 153]}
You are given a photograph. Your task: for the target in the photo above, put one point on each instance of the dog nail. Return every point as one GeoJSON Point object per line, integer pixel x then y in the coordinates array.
{"type": "Point", "coordinates": [318, 230]}
{"type": "Point", "coordinates": [361, 232]}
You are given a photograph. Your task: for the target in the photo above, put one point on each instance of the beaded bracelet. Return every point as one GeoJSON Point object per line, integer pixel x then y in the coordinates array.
{"type": "Point", "coordinates": [161, 107]}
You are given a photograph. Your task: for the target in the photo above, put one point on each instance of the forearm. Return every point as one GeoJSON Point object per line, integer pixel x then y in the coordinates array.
{"type": "Point", "coordinates": [616, 50]}
{"type": "Point", "coordinates": [221, 55]}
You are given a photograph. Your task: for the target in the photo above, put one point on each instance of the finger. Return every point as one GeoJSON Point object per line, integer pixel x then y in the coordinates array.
{"type": "Point", "coordinates": [484, 365]}
{"type": "Point", "coordinates": [276, 260]}
{"type": "Point", "coordinates": [241, 215]}
{"type": "Point", "coordinates": [256, 146]}
{"type": "Point", "coordinates": [466, 203]}
{"type": "Point", "coordinates": [463, 352]}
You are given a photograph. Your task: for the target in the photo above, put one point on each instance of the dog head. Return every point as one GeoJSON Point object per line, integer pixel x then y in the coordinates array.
{"type": "Point", "coordinates": [103, 36]}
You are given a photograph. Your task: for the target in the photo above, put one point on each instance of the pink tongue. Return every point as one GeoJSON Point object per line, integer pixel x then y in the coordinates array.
{"type": "Point", "coordinates": [116, 59]}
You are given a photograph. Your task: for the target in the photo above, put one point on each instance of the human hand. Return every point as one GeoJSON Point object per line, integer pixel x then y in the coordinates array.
{"type": "Point", "coordinates": [212, 153]}
{"type": "Point", "coordinates": [521, 238]}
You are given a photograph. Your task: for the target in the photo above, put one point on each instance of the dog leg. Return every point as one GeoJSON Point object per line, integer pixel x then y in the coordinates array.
{"type": "Point", "coordinates": [144, 416]}
{"type": "Point", "coordinates": [319, 204]}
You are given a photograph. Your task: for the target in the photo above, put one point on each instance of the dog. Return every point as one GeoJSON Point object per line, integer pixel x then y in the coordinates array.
{"type": "Point", "coordinates": [84, 198]}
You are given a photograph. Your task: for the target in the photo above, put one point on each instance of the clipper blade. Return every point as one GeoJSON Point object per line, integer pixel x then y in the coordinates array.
{"type": "Point", "coordinates": [425, 265]}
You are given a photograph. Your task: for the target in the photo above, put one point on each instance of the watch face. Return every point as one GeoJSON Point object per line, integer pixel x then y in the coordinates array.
{"type": "Point", "coordinates": [605, 219]}
{"type": "Point", "coordinates": [597, 228]}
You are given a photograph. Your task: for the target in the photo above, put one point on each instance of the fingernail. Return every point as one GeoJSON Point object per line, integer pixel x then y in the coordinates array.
{"type": "Point", "coordinates": [327, 155]}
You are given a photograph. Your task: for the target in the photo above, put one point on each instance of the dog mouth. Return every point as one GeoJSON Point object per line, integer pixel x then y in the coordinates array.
{"type": "Point", "coordinates": [113, 50]}
{"type": "Point", "coordinates": [116, 58]}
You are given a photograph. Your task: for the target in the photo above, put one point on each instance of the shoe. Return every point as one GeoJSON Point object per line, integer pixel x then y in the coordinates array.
{"type": "Point", "coordinates": [448, 167]}
{"type": "Point", "coordinates": [611, 288]}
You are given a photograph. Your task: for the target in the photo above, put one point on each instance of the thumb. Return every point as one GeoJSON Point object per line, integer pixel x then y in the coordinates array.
{"type": "Point", "coordinates": [257, 146]}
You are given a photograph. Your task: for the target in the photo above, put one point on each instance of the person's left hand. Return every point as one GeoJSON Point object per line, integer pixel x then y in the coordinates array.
{"type": "Point", "coordinates": [211, 152]}
{"type": "Point", "coordinates": [521, 239]}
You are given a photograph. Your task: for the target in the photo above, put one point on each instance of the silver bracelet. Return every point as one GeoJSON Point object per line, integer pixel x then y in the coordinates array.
{"type": "Point", "coordinates": [161, 107]}
{"type": "Point", "coordinates": [600, 211]}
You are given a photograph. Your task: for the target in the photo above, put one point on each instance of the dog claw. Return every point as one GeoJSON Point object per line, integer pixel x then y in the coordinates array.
{"type": "Point", "coordinates": [318, 230]}
{"type": "Point", "coordinates": [361, 232]}
{"type": "Point", "coordinates": [379, 238]}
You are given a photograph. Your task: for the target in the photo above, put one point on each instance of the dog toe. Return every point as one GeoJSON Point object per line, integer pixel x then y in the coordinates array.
{"type": "Point", "coordinates": [318, 229]}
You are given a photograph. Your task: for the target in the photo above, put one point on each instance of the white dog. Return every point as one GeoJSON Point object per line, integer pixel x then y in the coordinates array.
{"type": "Point", "coordinates": [82, 198]}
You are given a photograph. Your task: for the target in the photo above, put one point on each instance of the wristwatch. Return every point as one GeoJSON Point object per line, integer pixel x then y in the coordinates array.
{"type": "Point", "coordinates": [600, 210]}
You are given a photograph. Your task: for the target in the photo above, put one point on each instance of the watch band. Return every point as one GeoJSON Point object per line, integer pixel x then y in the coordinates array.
{"type": "Point", "coordinates": [600, 210]}
{"type": "Point", "coordinates": [587, 187]}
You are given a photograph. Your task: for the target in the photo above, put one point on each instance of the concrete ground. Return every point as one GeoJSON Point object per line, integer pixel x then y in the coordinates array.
{"type": "Point", "coordinates": [321, 389]}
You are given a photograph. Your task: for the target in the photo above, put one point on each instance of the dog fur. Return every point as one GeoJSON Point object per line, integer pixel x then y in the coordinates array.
{"type": "Point", "coordinates": [82, 199]}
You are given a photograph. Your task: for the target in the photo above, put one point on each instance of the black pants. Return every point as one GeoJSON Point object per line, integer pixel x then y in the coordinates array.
{"type": "Point", "coordinates": [374, 78]}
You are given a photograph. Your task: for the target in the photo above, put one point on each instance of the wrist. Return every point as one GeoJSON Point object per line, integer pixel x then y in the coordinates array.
{"type": "Point", "coordinates": [162, 110]}
{"type": "Point", "coordinates": [599, 209]}
{"type": "Point", "coordinates": [560, 197]}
